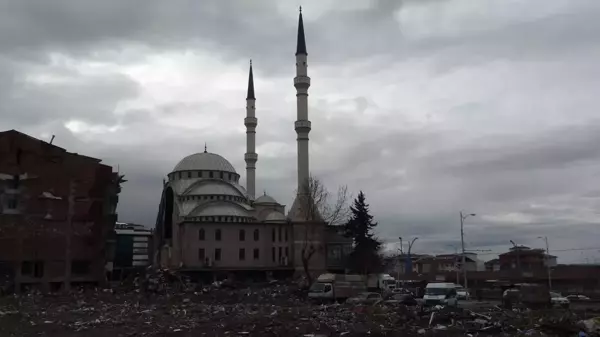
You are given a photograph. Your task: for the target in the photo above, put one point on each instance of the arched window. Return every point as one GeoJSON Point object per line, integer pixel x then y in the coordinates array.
{"type": "Point", "coordinates": [242, 235]}
{"type": "Point", "coordinates": [256, 235]}
{"type": "Point", "coordinates": [201, 234]}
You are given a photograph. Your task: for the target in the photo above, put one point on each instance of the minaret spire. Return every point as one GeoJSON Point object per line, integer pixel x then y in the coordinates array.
{"type": "Point", "coordinates": [250, 122]}
{"type": "Point", "coordinates": [302, 124]}
{"type": "Point", "coordinates": [301, 43]}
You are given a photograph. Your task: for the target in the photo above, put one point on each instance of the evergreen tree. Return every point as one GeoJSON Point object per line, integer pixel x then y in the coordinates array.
{"type": "Point", "coordinates": [365, 257]}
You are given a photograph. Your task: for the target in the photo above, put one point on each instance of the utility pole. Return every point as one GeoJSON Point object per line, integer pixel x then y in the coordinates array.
{"type": "Point", "coordinates": [545, 238]}
{"type": "Point", "coordinates": [462, 243]}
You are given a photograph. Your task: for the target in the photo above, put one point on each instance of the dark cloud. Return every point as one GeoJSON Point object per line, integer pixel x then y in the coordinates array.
{"type": "Point", "coordinates": [430, 107]}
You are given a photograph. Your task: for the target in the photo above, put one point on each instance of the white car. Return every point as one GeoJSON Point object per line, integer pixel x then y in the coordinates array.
{"type": "Point", "coordinates": [559, 300]}
{"type": "Point", "coordinates": [578, 298]}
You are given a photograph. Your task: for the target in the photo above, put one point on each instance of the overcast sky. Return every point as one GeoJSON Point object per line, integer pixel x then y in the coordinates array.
{"type": "Point", "coordinates": [428, 106]}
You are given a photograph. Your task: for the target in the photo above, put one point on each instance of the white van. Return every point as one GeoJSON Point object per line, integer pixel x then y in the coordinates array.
{"type": "Point", "coordinates": [440, 293]}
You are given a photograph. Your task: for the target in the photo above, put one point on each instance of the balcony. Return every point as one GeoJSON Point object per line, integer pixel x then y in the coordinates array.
{"type": "Point", "coordinates": [250, 121]}
{"type": "Point", "coordinates": [302, 81]}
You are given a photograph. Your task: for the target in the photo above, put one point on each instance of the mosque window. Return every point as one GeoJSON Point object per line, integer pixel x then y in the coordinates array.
{"type": "Point", "coordinates": [273, 235]}
{"type": "Point", "coordinates": [217, 235]}
{"type": "Point", "coordinates": [189, 174]}
{"type": "Point", "coordinates": [286, 235]}
{"type": "Point", "coordinates": [242, 235]}
{"type": "Point", "coordinates": [242, 254]}
{"type": "Point", "coordinates": [201, 234]}
{"type": "Point", "coordinates": [179, 175]}
{"type": "Point", "coordinates": [217, 254]}
{"type": "Point", "coordinates": [210, 174]}
{"type": "Point", "coordinates": [273, 254]}
{"type": "Point", "coordinates": [201, 254]}
{"type": "Point", "coordinates": [280, 256]}
{"type": "Point", "coordinates": [212, 197]}
{"type": "Point", "coordinates": [222, 175]}
{"type": "Point", "coordinates": [279, 236]}
{"type": "Point", "coordinates": [256, 253]}
{"type": "Point", "coordinates": [256, 235]}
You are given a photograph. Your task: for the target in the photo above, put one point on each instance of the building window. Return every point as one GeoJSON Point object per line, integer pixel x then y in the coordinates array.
{"type": "Point", "coordinates": [242, 235]}
{"type": "Point", "coordinates": [242, 254]}
{"type": "Point", "coordinates": [201, 234]}
{"type": "Point", "coordinates": [201, 254]}
{"type": "Point", "coordinates": [14, 183]}
{"type": "Point", "coordinates": [80, 267]}
{"type": "Point", "coordinates": [189, 174]}
{"type": "Point", "coordinates": [217, 254]}
{"type": "Point", "coordinates": [33, 268]}
{"type": "Point", "coordinates": [210, 174]}
{"type": "Point", "coordinates": [287, 252]}
{"type": "Point", "coordinates": [256, 235]}
{"type": "Point", "coordinates": [279, 236]}
{"type": "Point", "coordinates": [280, 255]}
{"type": "Point", "coordinates": [222, 176]}
{"type": "Point", "coordinates": [273, 253]}
{"type": "Point", "coordinates": [12, 203]}
{"type": "Point", "coordinates": [179, 175]}
{"type": "Point", "coordinates": [218, 235]}
{"type": "Point", "coordinates": [273, 235]}
{"type": "Point", "coordinates": [286, 234]}
{"type": "Point", "coordinates": [256, 253]}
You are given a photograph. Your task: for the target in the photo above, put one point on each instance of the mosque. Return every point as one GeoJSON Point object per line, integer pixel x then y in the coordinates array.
{"type": "Point", "coordinates": [208, 222]}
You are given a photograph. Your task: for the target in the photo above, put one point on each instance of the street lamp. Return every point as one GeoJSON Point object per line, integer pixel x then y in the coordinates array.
{"type": "Point", "coordinates": [462, 242]}
{"type": "Point", "coordinates": [518, 255]}
{"type": "Point", "coordinates": [545, 238]}
{"type": "Point", "coordinates": [408, 264]}
{"type": "Point", "coordinates": [399, 259]}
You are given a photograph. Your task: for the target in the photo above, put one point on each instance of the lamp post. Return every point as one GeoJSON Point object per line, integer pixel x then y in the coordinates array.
{"type": "Point", "coordinates": [545, 238]}
{"type": "Point", "coordinates": [462, 242]}
{"type": "Point", "coordinates": [399, 258]}
{"type": "Point", "coordinates": [518, 256]}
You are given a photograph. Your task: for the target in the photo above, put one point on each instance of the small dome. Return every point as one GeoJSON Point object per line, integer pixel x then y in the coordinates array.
{"type": "Point", "coordinates": [204, 161]}
{"type": "Point", "coordinates": [275, 217]}
{"type": "Point", "coordinates": [265, 199]}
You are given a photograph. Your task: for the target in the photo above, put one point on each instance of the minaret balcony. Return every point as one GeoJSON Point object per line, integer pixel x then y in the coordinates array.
{"type": "Point", "coordinates": [302, 81]}
{"type": "Point", "coordinates": [250, 121]}
{"type": "Point", "coordinates": [302, 126]}
{"type": "Point", "coordinates": [250, 157]}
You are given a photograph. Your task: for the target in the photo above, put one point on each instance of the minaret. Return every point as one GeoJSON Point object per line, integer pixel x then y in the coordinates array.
{"type": "Point", "coordinates": [250, 121]}
{"type": "Point", "coordinates": [302, 124]}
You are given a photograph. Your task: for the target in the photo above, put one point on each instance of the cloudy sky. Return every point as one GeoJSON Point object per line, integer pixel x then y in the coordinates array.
{"type": "Point", "coordinates": [428, 106]}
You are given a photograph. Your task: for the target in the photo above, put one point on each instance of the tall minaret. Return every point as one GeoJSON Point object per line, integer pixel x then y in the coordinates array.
{"type": "Point", "coordinates": [302, 124]}
{"type": "Point", "coordinates": [250, 121]}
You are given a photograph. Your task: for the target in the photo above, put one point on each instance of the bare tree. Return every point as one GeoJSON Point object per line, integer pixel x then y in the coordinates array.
{"type": "Point", "coordinates": [315, 208]}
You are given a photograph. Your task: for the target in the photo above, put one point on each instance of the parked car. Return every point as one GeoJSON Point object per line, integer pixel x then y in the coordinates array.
{"type": "Point", "coordinates": [440, 293]}
{"type": "Point", "coordinates": [405, 299]}
{"type": "Point", "coordinates": [365, 298]}
{"type": "Point", "coordinates": [578, 298]}
{"type": "Point", "coordinates": [559, 300]}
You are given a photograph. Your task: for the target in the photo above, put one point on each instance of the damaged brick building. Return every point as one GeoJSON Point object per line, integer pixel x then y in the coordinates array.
{"type": "Point", "coordinates": [57, 210]}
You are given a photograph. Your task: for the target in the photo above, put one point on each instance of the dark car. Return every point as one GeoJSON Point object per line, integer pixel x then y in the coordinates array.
{"type": "Point", "coordinates": [405, 299]}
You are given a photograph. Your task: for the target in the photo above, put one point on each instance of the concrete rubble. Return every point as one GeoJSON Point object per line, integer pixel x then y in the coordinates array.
{"type": "Point", "coordinates": [172, 306]}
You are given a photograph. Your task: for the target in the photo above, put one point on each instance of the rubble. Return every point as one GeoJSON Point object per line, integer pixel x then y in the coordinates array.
{"type": "Point", "coordinates": [170, 305]}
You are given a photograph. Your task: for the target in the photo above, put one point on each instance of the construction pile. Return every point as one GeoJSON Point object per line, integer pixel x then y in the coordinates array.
{"type": "Point", "coordinates": [174, 307]}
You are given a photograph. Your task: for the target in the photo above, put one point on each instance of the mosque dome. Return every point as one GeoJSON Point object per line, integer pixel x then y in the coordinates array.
{"type": "Point", "coordinates": [265, 199]}
{"type": "Point", "coordinates": [204, 161]}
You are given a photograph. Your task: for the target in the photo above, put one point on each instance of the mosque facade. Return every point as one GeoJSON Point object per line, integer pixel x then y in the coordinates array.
{"type": "Point", "coordinates": [208, 222]}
